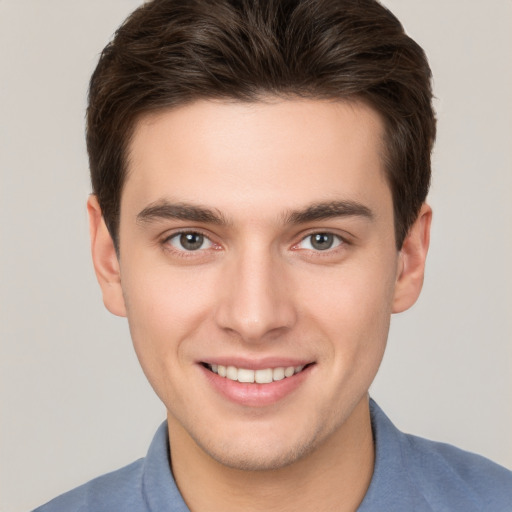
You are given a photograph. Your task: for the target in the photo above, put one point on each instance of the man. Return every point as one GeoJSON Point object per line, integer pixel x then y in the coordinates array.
{"type": "Point", "coordinates": [260, 171]}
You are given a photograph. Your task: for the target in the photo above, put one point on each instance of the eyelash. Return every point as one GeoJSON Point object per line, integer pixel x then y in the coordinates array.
{"type": "Point", "coordinates": [183, 253]}
{"type": "Point", "coordinates": [338, 240]}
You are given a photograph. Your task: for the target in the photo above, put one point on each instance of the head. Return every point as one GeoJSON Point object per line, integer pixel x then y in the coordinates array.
{"type": "Point", "coordinates": [259, 171]}
{"type": "Point", "coordinates": [170, 53]}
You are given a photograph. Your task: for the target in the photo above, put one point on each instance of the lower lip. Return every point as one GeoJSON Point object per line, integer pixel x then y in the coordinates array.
{"type": "Point", "coordinates": [253, 394]}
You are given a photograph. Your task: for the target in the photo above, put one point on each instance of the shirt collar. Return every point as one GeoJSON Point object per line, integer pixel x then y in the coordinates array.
{"type": "Point", "coordinates": [391, 487]}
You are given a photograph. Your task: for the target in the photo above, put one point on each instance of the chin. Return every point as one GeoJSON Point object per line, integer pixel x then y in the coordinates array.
{"type": "Point", "coordinates": [259, 451]}
{"type": "Point", "coordinates": [259, 460]}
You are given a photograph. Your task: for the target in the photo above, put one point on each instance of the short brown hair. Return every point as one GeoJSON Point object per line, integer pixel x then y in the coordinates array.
{"type": "Point", "coordinates": [171, 52]}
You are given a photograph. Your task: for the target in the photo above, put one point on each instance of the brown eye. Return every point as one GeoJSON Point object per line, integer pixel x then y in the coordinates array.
{"type": "Point", "coordinates": [189, 241]}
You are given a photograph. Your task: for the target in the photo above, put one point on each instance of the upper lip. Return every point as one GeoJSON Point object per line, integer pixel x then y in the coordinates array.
{"type": "Point", "coordinates": [257, 364]}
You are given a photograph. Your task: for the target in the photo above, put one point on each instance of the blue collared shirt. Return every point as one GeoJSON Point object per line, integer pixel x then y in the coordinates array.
{"type": "Point", "coordinates": [411, 474]}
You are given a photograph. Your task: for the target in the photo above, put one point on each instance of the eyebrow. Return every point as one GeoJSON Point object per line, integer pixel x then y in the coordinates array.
{"type": "Point", "coordinates": [329, 210]}
{"type": "Point", "coordinates": [162, 210]}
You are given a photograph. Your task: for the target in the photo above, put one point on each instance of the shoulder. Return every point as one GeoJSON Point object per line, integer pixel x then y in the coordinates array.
{"type": "Point", "coordinates": [118, 490]}
{"type": "Point", "coordinates": [146, 484]}
{"type": "Point", "coordinates": [412, 473]}
{"type": "Point", "coordinates": [445, 473]}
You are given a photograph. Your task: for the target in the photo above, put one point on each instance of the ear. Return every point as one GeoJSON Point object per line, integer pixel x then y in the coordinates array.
{"type": "Point", "coordinates": [104, 257]}
{"type": "Point", "coordinates": [411, 264]}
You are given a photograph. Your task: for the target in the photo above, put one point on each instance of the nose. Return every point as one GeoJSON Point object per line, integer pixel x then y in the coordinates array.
{"type": "Point", "coordinates": [257, 302]}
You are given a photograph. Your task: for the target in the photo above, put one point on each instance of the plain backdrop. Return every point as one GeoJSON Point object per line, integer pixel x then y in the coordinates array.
{"type": "Point", "coordinates": [74, 403]}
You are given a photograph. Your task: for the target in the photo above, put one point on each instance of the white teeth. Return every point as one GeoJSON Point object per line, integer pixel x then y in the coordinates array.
{"type": "Point", "coordinates": [278, 373]}
{"type": "Point", "coordinates": [245, 375]}
{"type": "Point", "coordinates": [263, 376]}
{"type": "Point", "coordinates": [289, 371]}
{"type": "Point", "coordinates": [232, 373]}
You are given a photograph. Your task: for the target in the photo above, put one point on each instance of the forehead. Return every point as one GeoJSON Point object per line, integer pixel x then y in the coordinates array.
{"type": "Point", "coordinates": [265, 154]}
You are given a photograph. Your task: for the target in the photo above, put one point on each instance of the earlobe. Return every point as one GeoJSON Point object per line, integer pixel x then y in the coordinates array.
{"type": "Point", "coordinates": [104, 257]}
{"type": "Point", "coordinates": [412, 259]}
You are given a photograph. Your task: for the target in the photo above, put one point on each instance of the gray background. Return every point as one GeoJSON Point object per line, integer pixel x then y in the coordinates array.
{"type": "Point", "coordinates": [74, 402]}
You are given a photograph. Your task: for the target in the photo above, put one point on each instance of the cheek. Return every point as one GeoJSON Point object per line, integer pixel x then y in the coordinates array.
{"type": "Point", "coordinates": [352, 305]}
{"type": "Point", "coordinates": [164, 307]}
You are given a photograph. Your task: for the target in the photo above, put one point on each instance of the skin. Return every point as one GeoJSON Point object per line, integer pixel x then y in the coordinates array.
{"type": "Point", "coordinates": [257, 289]}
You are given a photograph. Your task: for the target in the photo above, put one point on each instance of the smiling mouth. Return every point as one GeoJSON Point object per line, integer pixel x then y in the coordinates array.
{"type": "Point", "coordinates": [262, 376]}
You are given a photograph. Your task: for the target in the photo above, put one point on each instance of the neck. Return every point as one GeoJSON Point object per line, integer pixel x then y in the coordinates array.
{"type": "Point", "coordinates": [334, 477]}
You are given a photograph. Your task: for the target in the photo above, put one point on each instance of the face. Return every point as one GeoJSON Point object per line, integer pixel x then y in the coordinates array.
{"type": "Point", "coordinates": [258, 271]}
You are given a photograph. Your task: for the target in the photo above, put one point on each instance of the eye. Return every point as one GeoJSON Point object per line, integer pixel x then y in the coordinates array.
{"type": "Point", "coordinates": [320, 242]}
{"type": "Point", "coordinates": [189, 241]}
